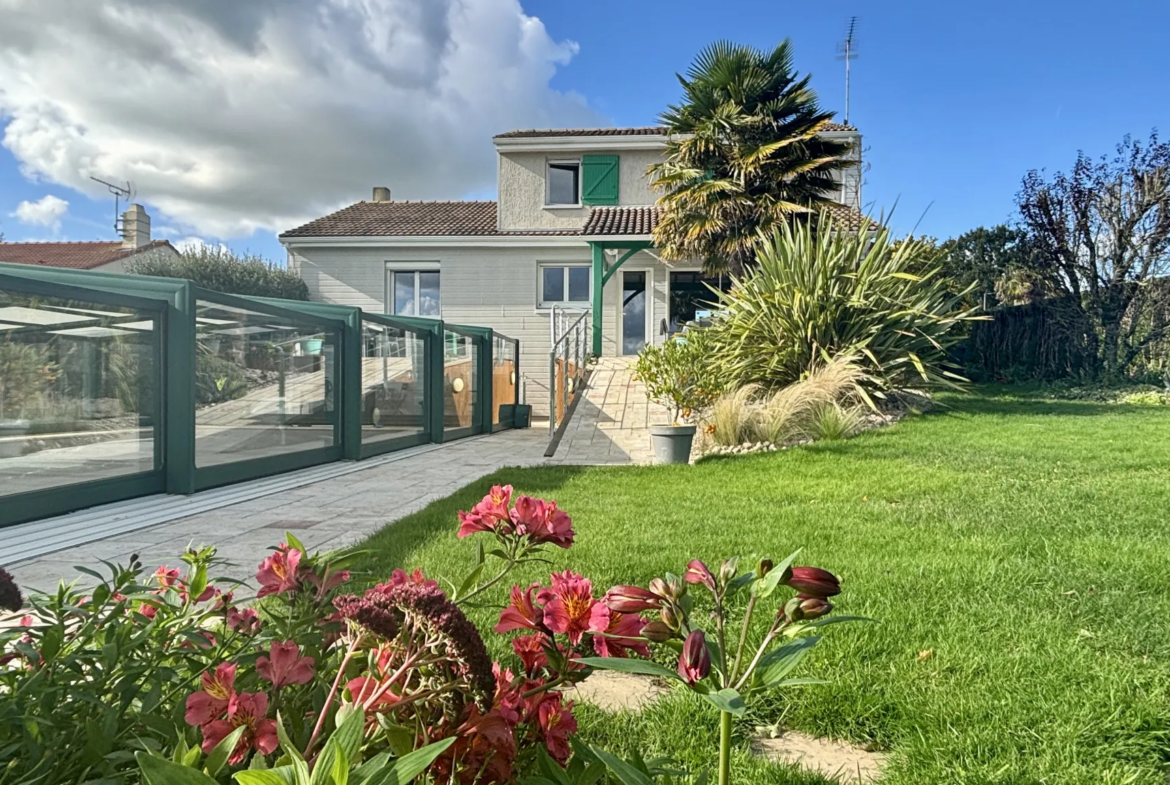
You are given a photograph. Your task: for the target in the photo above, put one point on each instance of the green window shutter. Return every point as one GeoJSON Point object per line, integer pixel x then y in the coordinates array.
{"type": "Point", "coordinates": [599, 179]}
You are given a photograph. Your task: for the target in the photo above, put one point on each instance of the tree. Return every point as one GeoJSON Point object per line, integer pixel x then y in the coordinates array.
{"type": "Point", "coordinates": [995, 263]}
{"type": "Point", "coordinates": [744, 156]}
{"type": "Point", "coordinates": [221, 270]}
{"type": "Point", "coordinates": [1102, 235]}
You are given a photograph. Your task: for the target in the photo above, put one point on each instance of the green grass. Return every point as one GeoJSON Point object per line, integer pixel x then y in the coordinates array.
{"type": "Point", "coordinates": [1023, 543]}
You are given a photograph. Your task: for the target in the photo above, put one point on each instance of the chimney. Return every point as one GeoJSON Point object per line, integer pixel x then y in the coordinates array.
{"type": "Point", "coordinates": [381, 194]}
{"type": "Point", "coordinates": [135, 227]}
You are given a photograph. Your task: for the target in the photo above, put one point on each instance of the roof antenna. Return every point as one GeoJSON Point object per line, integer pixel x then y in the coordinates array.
{"type": "Point", "coordinates": [847, 50]}
{"type": "Point", "coordinates": [119, 193]}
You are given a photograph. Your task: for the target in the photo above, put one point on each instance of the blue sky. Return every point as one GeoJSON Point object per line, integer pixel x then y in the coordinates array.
{"type": "Point", "coordinates": [956, 101]}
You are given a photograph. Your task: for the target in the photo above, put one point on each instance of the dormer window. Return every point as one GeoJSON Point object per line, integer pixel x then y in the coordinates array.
{"type": "Point", "coordinates": [564, 183]}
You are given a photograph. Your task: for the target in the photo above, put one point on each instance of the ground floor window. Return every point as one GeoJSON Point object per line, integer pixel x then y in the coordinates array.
{"type": "Point", "coordinates": [413, 293]}
{"type": "Point", "coordinates": [566, 285]}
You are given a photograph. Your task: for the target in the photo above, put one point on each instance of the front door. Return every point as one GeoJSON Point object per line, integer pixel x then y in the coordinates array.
{"type": "Point", "coordinates": [634, 304]}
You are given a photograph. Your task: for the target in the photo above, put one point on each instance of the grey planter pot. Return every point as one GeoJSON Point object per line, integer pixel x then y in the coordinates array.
{"type": "Point", "coordinates": [672, 443]}
{"type": "Point", "coordinates": [11, 447]}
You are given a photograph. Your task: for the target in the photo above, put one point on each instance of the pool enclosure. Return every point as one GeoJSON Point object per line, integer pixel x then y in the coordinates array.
{"type": "Point", "coordinates": [114, 386]}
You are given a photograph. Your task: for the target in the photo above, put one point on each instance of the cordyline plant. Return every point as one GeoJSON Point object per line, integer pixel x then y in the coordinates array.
{"type": "Point", "coordinates": [726, 668]}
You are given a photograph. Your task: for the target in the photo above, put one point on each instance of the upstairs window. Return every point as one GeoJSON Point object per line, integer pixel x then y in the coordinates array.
{"type": "Point", "coordinates": [564, 285]}
{"type": "Point", "coordinates": [564, 183]}
{"type": "Point", "coordinates": [413, 292]}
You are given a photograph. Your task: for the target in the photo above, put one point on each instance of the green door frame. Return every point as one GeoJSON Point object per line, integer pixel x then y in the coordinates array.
{"type": "Point", "coordinates": [602, 272]}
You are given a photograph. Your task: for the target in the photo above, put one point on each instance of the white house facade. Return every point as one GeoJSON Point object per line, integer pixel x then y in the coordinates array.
{"type": "Point", "coordinates": [571, 230]}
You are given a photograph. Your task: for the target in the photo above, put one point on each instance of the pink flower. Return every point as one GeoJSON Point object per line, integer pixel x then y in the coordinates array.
{"type": "Point", "coordinates": [530, 515]}
{"type": "Point", "coordinates": [570, 607]}
{"type": "Point", "coordinates": [491, 511]}
{"type": "Point", "coordinates": [212, 701]}
{"type": "Point", "coordinates": [472, 523]}
{"type": "Point", "coordinates": [278, 573]}
{"type": "Point", "coordinates": [362, 688]}
{"type": "Point", "coordinates": [814, 582]}
{"type": "Point", "coordinates": [400, 577]}
{"type": "Point", "coordinates": [697, 572]}
{"type": "Point", "coordinates": [695, 663]}
{"type": "Point", "coordinates": [631, 599]}
{"type": "Point", "coordinates": [245, 621]}
{"type": "Point", "coordinates": [557, 723]}
{"type": "Point", "coordinates": [166, 576]}
{"type": "Point", "coordinates": [556, 527]}
{"type": "Point", "coordinates": [530, 650]}
{"type": "Point", "coordinates": [523, 613]}
{"type": "Point", "coordinates": [284, 665]}
{"type": "Point", "coordinates": [622, 632]}
{"type": "Point", "coordinates": [332, 581]}
{"type": "Point", "coordinates": [246, 710]}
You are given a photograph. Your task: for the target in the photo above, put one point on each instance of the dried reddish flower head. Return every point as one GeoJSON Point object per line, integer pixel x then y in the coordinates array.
{"type": "Point", "coordinates": [569, 607]}
{"type": "Point", "coordinates": [814, 582]}
{"type": "Point", "coordinates": [695, 663]}
{"type": "Point", "coordinates": [279, 572]}
{"type": "Point", "coordinates": [212, 701]}
{"type": "Point", "coordinates": [374, 610]}
{"type": "Point", "coordinates": [284, 665]}
{"type": "Point", "coordinates": [10, 596]}
{"type": "Point", "coordinates": [247, 710]}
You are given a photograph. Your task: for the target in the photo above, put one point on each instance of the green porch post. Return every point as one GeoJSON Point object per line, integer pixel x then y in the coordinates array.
{"type": "Point", "coordinates": [598, 280]}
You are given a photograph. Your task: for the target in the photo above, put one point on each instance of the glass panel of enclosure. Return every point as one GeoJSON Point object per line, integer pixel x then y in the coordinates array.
{"type": "Point", "coordinates": [79, 392]}
{"type": "Point", "coordinates": [393, 376]}
{"type": "Point", "coordinates": [264, 386]}
{"type": "Point", "coordinates": [460, 380]}
{"type": "Point", "coordinates": [504, 374]}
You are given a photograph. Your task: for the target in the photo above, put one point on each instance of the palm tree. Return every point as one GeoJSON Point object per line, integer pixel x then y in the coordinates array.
{"type": "Point", "coordinates": [744, 156]}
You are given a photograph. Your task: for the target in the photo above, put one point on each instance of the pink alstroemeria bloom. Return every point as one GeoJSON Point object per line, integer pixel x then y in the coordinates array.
{"type": "Point", "coordinates": [278, 573]}
{"type": "Point", "coordinates": [400, 577]}
{"type": "Point", "coordinates": [284, 665]}
{"type": "Point", "coordinates": [530, 515]}
{"type": "Point", "coordinates": [212, 701]}
{"type": "Point", "coordinates": [530, 650]}
{"type": "Point", "coordinates": [557, 724]}
{"type": "Point", "coordinates": [631, 599]}
{"type": "Point", "coordinates": [166, 576]}
{"type": "Point", "coordinates": [523, 613]}
{"type": "Point", "coordinates": [243, 620]}
{"type": "Point", "coordinates": [247, 710]}
{"type": "Point", "coordinates": [698, 572]}
{"type": "Point", "coordinates": [472, 523]}
{"type": "Point", "coordinates": [554, 526]}
{"type": "Point", "coordinates": [622, 633]}
{"type": "Point", "coordinates": [570, 607]}
{"type": "Point", "coordinates": [495, 505]}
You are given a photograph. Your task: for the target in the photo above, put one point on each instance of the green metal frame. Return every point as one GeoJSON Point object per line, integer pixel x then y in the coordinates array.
{"type": "Point", "coordinates": [482, 403]}
{"type": "Point", "coordinates": [602, 272]}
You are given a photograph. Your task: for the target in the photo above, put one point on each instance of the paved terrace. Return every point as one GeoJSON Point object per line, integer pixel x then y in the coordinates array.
{"type": "Point", "coordinates": [330, 506]}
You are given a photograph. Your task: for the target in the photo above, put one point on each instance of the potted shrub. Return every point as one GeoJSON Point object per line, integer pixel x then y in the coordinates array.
{"type": "Point", "coordinates": [678, 375]}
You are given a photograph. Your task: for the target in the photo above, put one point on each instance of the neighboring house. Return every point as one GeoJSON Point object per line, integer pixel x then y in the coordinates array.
{"type": "Point", "coordinates": [108, 257]}
{"type": "Point", "coordinates": [571, 229]}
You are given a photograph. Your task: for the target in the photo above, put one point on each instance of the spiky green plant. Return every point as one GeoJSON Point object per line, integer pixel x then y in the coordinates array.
{"type": "Point", "coordinates": [819, 293]}
{"type": "Point", "coordinates": [832, 422]}
{"type": "Point", "coordinates": [745, 155]}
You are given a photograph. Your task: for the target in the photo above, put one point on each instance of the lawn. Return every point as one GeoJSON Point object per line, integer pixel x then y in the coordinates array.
{"type": "Point", "coordinates": [1014, 552]}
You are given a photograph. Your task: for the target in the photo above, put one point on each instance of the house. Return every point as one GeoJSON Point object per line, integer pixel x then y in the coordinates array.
{"type": "Point", "coordinates": [571, 229]}
{"type": "Point", "coordinates": [106, 256]}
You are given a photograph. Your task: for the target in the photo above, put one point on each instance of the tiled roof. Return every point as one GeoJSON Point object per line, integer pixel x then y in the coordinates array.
{"type": "Point", "coordinates": [621, 220]}
{"type": "Point", "coordinates": [75, 256]}
{"type": "Point", "coordinates": [627, 221]}
{"type": "Point", "coordinates": [412, 219]}
{"type": "Point", "coordinates": [652, 130]}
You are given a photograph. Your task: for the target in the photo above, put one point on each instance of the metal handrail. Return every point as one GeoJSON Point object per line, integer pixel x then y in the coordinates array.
{"type": "Point", "coordinates": [568, 343]}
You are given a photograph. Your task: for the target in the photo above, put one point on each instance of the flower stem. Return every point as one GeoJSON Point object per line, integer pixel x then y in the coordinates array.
{"type": "Point", "coordinates": [353, 647]}
{"type": "Point", "coordinates": [724, 748]}
{"type": "Point", "coordinates": [747, 620]}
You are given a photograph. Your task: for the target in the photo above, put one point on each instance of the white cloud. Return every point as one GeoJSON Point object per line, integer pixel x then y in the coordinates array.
{"type": "Point", "coordinates": [231, 117]}
{"type": "Point", "coordinates": [197, 243]}
{"type": "Point", "coordinates": [48, 211]}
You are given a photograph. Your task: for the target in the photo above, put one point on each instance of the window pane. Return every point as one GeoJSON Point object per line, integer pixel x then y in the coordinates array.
{"type": "Point", "coordinates": [263, 387]}
{"type": "Point", "coordinates": [460, 380]}
{"type": "Point", "coordinates": [552, 284]}
{"type": "Point", "coordinates": [79, 388]}
{"type": "Point", "coordinates": [579, 284]}
{"type": "Point", "coordinates": [563, 183]}
{"type": "Point", "coordinates": [392, 382]}
{"type": "Point", "coordinates": [428, 294]}
{"type": "Point", "coordinates": [503, 374]}
{"type": "Point", "coordinates": [404, 294]}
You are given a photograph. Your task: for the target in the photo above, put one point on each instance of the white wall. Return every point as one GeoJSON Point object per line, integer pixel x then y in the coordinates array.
{"type": "Point", "coordinates": [522, 188]}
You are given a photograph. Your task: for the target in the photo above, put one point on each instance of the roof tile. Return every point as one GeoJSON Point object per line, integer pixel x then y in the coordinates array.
{"type": "Point", "coordinates": [74, 256]}
{"type": "Point", "coordinates": [650, 130]}
{"type": "Point", "coordinates": [412, 219]}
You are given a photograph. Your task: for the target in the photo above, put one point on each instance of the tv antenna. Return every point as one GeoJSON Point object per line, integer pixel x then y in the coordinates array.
{"type": "Point", "coordinates": [847, 50]}
{"type": "Point", "coordinates": [119, 193]}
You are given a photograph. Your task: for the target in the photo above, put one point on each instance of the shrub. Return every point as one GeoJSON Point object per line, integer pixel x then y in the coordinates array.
{"type": "Point", "coordinates": [217, 380]}
{"type": "Point", "coordinates": [819, 293]}
{"type": "Point", "coordinates": [733, 417]}
{"type": "Point", "coordinates": [830, 421]}
{"type": "Point", "coordinates": [222, 270]}
{"type": "Point", "coordinates": [25, 371]}
{"type": "Point", "coordinates": [679, 374]}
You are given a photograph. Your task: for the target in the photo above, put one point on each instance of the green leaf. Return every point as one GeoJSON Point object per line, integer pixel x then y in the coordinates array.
{"type": "Point", "coordinates": [409, 766]}
{"type": "Point", "coordinates": [219, 755]}
{"type": "Point", "coordinates": [470, 580]}
{"type": "Point", "coordinates": [346, 742]}
{"type": "Point", "coordinates": [293, 542]}
{"type": "Point", "coordinates": [281, 776]}
{"type": "Point", "coordinates": [370, 768]}
{"type": "Point", "coordinates": [627, 774]}
{"type": "Point", "coordinates": [160, 771]}
{"type": "Point", "coordinates": [628, 665]}
{"type": "Point", "coordinates": [727, 700]}
{"type": "Point", "coordinates": [778, 663]}
{"type": "Point", "coordinates": [825, 621]}
{"type": "Point", "coordinates": [771, 581]}
{"type": "Point", "coordinates": [297, 761]}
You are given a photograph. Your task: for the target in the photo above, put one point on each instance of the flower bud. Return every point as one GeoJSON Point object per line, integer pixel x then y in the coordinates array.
{"type": "Point", "coordinates": [814, 582]}
{"type": "Point", "coordinates": [765, 566]}
{"type": "Point", "coordinates": [670, 617]}
{"type": "Point", "coordinates": [659, 588]}
{"type": "Point", "coordinates": [697, 572]}
{"type": "Point", "coordinates": [727, 570]}
{"type": "Point", "coordinates": [657, 631]}
{"type": "Point", "coordinates": [814, 607]}
{"type": "Point", "coordinates": [631, 599]}
{"type": "Point", "coordinates": [695, 663]}
{"type": "Point", "coordinates": [792, 611]}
